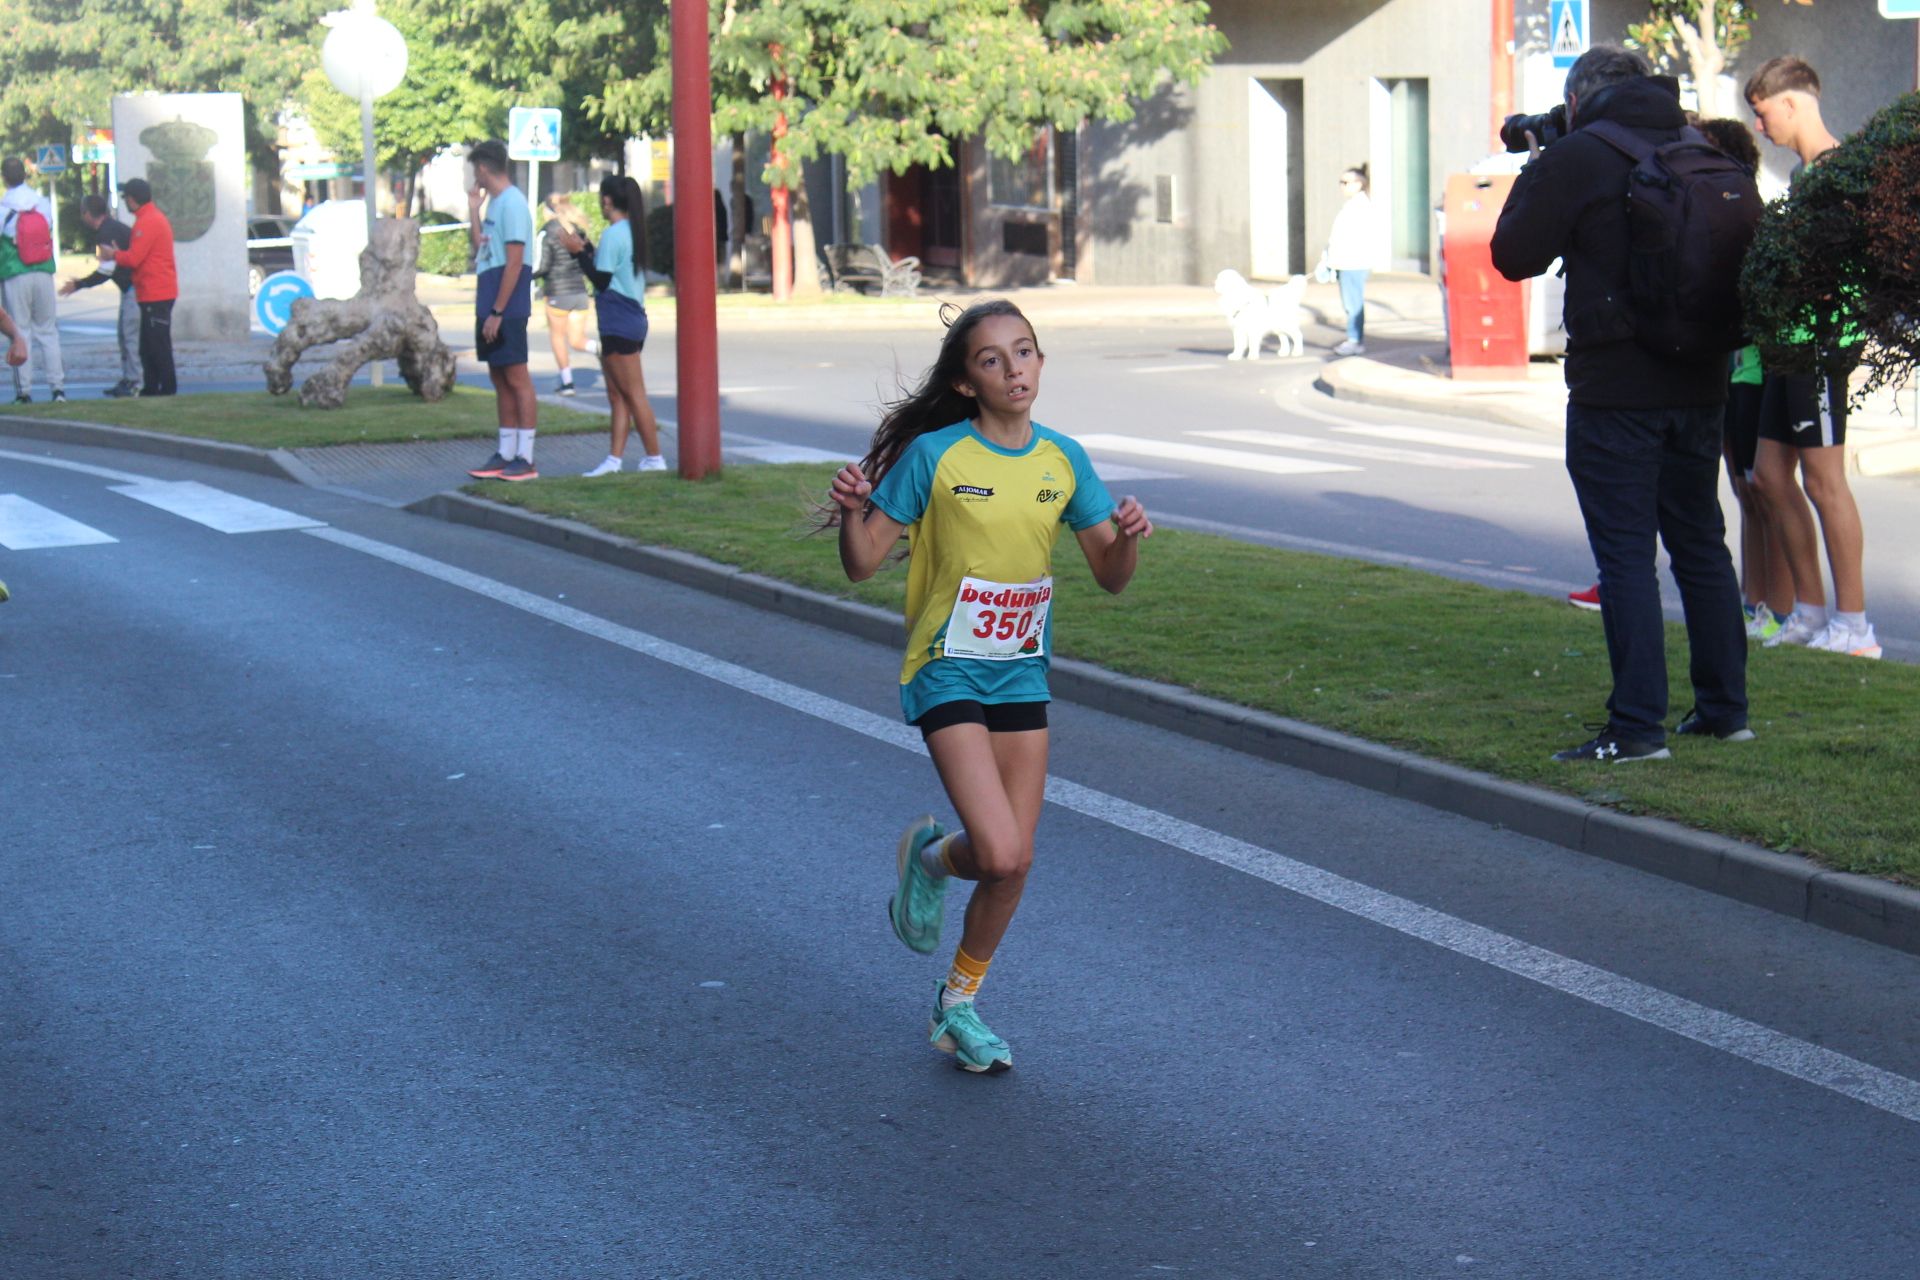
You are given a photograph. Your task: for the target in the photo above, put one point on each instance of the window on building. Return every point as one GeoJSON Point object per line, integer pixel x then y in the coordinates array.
{"type": "Point", "coordinates": [1025, 183]}
{"type": "Point", "coordinates": [1163, 197]}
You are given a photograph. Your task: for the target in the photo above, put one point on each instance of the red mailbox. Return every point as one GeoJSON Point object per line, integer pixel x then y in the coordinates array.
{"type": "Point", "coordinates": [1486, 312]}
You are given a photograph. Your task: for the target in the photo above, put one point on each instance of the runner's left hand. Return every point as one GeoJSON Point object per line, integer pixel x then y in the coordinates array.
{"type": "Point", "coordinates": [1132, 519]}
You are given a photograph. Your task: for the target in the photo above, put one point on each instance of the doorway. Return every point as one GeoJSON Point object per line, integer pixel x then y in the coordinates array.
{"type": "Point", "coordinates": [1276, 143]}
{"type": "Point", "coordinates": [1401, 177]}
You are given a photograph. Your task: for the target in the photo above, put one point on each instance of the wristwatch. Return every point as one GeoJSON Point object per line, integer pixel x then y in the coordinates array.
{"type": "Point", "coordinates": [497, 312]}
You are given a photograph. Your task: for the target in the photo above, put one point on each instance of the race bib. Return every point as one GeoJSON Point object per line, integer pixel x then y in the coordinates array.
{"type": "Point", "coordinates": [999, 621]}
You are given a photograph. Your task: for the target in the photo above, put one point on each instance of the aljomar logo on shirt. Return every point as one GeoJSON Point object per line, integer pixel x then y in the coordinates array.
{"type": "Point", "coordinates": [971, 491]}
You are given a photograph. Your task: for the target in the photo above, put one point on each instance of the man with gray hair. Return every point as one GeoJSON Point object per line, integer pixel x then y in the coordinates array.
{"type": "Point", "coordinates": [1643, 426]}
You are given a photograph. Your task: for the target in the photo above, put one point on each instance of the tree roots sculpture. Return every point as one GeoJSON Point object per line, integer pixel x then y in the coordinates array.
{"type": "Point", "coordinates": [385, 321]}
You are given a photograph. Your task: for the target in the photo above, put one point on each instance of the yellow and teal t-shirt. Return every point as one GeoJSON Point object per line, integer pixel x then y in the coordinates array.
{"type": "Point", "coordinates": [981, 523]}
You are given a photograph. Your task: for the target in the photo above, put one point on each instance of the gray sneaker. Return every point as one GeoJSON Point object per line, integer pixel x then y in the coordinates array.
{"type": "Point", "coordinates": [518, 469]}
{"type": "Point", "coordinates": [490, 469]}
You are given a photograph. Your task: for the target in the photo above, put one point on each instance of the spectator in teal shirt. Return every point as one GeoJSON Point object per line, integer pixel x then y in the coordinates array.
{"type": "Point", "coordinates": [502, 303]}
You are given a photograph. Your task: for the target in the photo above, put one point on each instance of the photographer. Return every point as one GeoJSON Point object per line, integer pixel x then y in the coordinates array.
{"type": "Point", "coordinates": [1643, 427]}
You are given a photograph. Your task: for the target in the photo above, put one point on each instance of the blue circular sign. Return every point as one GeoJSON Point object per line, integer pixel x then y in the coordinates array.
{"type": "Point", "coordinates": [273, 305]}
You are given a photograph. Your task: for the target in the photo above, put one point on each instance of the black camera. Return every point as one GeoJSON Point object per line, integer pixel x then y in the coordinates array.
{"type": "Point", "coordinates": [1548, 126]}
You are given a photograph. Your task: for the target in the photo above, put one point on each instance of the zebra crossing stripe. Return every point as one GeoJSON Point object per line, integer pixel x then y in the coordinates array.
{"type": "Point", "coordinates": [215, 508]}
{"type": "Point", "coordinates": [27, 526]}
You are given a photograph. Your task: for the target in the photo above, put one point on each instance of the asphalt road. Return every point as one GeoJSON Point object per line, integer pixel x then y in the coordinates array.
{"type": "Point", "coordinates": [385, 898]}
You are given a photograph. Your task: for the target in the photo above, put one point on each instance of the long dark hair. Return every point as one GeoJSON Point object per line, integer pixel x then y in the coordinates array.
{"type": "Point", "coordinates": [934, 403]}
{"type": "Point", "coordinates": [625, 195]}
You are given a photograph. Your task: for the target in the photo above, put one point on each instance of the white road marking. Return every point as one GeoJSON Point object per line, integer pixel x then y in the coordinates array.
{"type": "Point", "coordinates": [1373, 452]}
{"type": "Point", "coordinates": [1176, 368]}
{"type": "Point", "coordinates": [97, 330]}
{"type": "Point", "coordinates": [1460, 440]}
{"type": "Point", "coordinates": [780, 453]}
{"type": "Point", "coordinates": [1120, 473]}
{"type": "Point", "coordinates": [27, 526]}
{"type": "Point", "coordinates": [1738, 1037]}
{"type": "Point", "coordinates": [1449, 568]}
{"type": "Point", "coordinates": [1234, 459]}
{"type": "Point", "coordinates": [215, 508]}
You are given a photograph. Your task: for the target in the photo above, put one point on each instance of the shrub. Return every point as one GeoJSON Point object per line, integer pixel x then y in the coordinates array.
{"type": "Point", "coordinates": [660, 240]}
{"type": "Point", "coordinates": [444, 253]}
{"type": "Point", "coordinates": [1833, 276]}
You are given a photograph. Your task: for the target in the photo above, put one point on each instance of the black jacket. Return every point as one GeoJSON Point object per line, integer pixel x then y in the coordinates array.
{"type": "Point", "coordinates": [1570, 203]}
{"type": "Point", "coordinates": [116, 233]}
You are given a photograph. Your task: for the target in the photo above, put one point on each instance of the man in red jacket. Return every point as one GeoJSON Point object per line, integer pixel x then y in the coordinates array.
{"type": "Point", "coordinates": [155, 285]}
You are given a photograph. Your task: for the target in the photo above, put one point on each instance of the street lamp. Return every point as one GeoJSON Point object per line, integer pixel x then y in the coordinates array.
{"type": "Point", "coordinates": [365, 57]}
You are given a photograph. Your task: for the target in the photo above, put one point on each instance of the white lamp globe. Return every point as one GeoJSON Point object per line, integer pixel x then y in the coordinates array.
{"type": "Point", "coordinates": [364, 51]}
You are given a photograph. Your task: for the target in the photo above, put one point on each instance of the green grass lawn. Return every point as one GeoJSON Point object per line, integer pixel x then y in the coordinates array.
{"type": "Point", "coordinates": [1492, 680]}
{"type": "Point", "coordinates": [382, 415]}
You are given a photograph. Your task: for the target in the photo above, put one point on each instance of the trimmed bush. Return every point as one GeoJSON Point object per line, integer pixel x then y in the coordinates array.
{"type": "Point", "coordinates": [1833, 277]}
{"type": "Point", "coordinates": [444, 253]}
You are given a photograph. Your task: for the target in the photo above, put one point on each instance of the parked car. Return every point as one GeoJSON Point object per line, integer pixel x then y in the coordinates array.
{"type": "Point", "coordinates": [269, 249]}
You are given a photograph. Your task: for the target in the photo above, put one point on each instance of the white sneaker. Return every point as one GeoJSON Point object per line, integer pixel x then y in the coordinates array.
{"type": "Point", "coordinates": [1836, 637]}
{"type": "Point", "coordinates": [610, 465]}
{"type": "Point", "coordinates": [593, 347]}
{"type": "Point", "coordinates": [1763, 624]}
{"type": "Point", "coordinates": [1797, 629]}
{"type": "Point", "coordinates": [1350, 348]}
{"type": "Point", "coordinates": [653, 462]}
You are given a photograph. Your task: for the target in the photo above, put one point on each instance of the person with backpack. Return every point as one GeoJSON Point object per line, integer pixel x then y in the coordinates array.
{"type": "Point", "coordinates": [1646, 377]}
{"type": "Point", "coordinates": [26, 280]}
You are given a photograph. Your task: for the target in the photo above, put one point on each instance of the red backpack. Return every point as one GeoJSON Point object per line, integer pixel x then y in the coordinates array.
{"type": "Point", "coordinates": [32, 237]}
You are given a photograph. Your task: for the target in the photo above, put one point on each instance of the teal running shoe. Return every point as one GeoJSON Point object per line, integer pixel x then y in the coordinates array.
{"type": "Point", "coordinates": [919, 904]}
{"type": "Point", "coordinates": [959, 1031]}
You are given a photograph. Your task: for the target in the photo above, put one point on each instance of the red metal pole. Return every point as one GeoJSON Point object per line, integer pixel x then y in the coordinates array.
{"type": "Point", "coordinates": [782, 218]}
{"type": "Point", "coordinates": [697, 338]}
{"type": "Point", "coordinates": [1502, 78]}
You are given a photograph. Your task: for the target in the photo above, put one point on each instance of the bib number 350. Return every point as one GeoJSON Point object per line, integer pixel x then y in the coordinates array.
{"type": "Point", "coordinates": [999, 621]}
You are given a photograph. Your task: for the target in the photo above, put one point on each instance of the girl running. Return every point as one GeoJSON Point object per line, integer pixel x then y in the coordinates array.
{"type": "Point", "coordinates": [980, 490]}
{"type": "Point", "coordinates": [616, 269]}
{"type": "Point", "coordinates": [563, 287]}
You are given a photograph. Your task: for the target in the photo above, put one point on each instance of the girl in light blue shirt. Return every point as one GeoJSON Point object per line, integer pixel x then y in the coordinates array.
{"type": "Point", "coordinates": [617, 269]}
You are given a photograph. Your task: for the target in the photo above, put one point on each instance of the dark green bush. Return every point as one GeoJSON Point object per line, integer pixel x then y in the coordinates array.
{"type": "Point", "coordinates": [444, 253]}
{"type": "Point", "coordinates": [1833, 277]}
{"type": "Point", "coordinates": [660, 240]}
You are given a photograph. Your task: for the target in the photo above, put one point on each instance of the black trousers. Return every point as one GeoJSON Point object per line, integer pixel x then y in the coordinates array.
{"type": "Point", "coordinates": [1642, 475]}
{"type": "Point", "coordinates": [156, 349]}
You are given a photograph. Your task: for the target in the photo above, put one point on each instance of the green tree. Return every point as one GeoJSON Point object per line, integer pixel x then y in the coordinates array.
{"type": "Point", "coordinates": [1700, 38]}
{"type": "Point", "coordinates": [564, 53]}
{"type": "Point", "coordinates": [888, 84]}
{"type": "Point", "coordinates": [66, 59]}
{"type": "Point", "coordinates": [442, 101]}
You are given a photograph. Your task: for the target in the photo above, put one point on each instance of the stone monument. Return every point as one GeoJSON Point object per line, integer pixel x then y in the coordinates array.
{"type": "Point", "coordinates": [191, 147]}
{"type": "Point", "coordinates": [384, 321]}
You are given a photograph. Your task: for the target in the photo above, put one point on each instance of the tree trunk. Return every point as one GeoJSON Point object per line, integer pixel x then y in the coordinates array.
{"type": "Point", "coordinates": [806, 258]}
{"type": "Point", "coordinates": [737, 219]}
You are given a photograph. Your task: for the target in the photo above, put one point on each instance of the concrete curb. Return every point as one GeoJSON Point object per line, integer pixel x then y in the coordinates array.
{"type": "Point", "coordinates": [1348, 380]}
{"type": "Point", "coordinates": [1862, 906]}
{"type": "Point", "coordinates": [215, 453]}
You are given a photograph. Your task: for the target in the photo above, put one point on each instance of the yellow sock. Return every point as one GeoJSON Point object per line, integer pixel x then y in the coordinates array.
{"type": "Point", "coordinates": [963, 980]}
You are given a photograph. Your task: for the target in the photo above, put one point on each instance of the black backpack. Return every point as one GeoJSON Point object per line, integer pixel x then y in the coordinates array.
{"type": "Point", "coordinates": [1692, 210]}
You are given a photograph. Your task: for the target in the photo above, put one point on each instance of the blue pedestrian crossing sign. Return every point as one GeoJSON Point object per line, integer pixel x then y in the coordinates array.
{"type": "Point", "coordinates": [273, 305]}
{"type": "Point", "coordinates": [533, 133]}
{"type": "Point", "coordinates": [1900, 8]}
{"type": "Point", "coordinates": [1567, 31]}
{"type": "Point", "coordinates": [50, 159]}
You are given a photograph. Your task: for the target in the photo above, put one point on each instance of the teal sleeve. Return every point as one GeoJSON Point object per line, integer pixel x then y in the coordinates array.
{"type": "Point", "coordinates": [516, 223]}
{"type": "Point", "coordinates": [904, 490]}
{"type": "Point", "coordinates": [615, 250]}
{"type": "Point", "coordinates": [1091, 503]}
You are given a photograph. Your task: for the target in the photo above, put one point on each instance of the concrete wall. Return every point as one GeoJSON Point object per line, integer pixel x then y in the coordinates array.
{"type": "Point", "coordinates": [1200, 137]}
{"type": "Point", "coordinates": [192, 148]}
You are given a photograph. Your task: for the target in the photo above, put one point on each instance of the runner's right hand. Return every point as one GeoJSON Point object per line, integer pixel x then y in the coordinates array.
{"type": "Point", "coordinates": [850, 488]}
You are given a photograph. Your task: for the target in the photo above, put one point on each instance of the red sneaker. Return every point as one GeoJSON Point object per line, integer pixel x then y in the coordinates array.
{"type": "Point", "coordinates": [1588, 599]}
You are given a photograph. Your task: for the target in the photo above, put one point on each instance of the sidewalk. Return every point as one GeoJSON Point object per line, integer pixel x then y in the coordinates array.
{"type": "Point", "coordinates": [1883, 435]}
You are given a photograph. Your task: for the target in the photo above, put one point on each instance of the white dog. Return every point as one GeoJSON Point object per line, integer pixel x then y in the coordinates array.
{"type": "Point", "coordinates": [1254, 314]}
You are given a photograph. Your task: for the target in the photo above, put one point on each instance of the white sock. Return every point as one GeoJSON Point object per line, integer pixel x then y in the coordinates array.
{"type": "Point", "coordinates": [525, 443]}
{"type": "Point", "coordinates": [1813, 613]}
{"type": "Point", "coordinates": [933, 857]}
{"type": "Point", "coordinates": [566, 377]}
{"type": "Point", "coordinates": [509, 440]}
{"type": "Point", "coordinates": [1854, 622]}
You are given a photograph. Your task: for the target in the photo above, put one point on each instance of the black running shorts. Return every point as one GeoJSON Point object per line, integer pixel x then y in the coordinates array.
{"type": "Point", "coordinates": [999, 717]}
